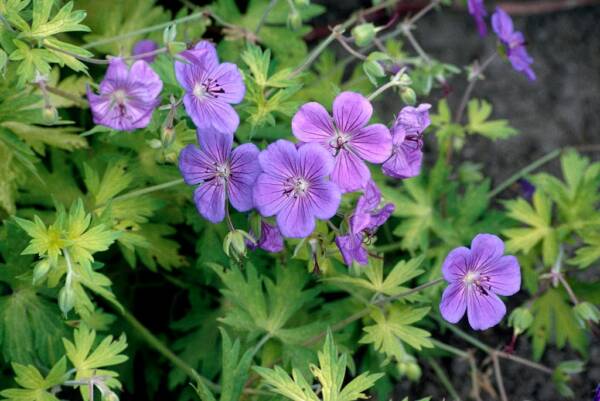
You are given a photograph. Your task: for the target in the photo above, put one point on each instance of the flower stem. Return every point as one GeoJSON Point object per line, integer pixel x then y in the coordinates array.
{"type": "Point", "coordinates": [342, 41]}
{"type": "Point", "coordinates": [441, 374]}
{"type": "Point", "coordinates": [568, 288]}
{"type": "Point", "coordinates": [408, 34]}
{"type": "Point", "coordinates": [264, 16]}
{"type": "Point", "coordinates": [69, 96]}
{"type": "Point", "coordinates": [498, 375]}
{"type": "Point", "coordinates": [524, 171]}
{"type": "Point", "coordinates": [383, 88]}
{"type": "Point", "coordinates": [155, 343]}
{"type": "Point", "coordinates": [472, 82]}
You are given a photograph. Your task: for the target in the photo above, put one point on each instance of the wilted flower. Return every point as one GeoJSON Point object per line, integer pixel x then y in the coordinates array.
{"type": "Point", "coordinates": [143, 47]}
{"type": "Point", "coordinates": [127, 96]}
{"type": "Point", "coordinates": [364, 222]}
{"type": "Point", "coordinates": [407, 137]}
{"type": "Point", "coordinates": [270, 239]}
{"type": "Point", "coordinates": [347, 137]}
{"type": "Point", "coordinates": [477, 10]}
{"type": "Point", "coordinates": [294, 185]}
{"type": "Point", "coordinates": [477, 276]}
{"type": "Point", "coordinates": [223, 174]}
{"type": "Point", "coordinates": [514, 42]}
{"type": "Point", "coordinates": [211, 88]}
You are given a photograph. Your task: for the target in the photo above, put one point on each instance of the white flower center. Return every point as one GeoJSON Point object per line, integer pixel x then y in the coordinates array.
{"type": "Point", "coordinates": [223, 171]}
{"type": "Point", "coordinates": [297, 186]}
{"type": "Point", "coordinates": [471, 277]}
{"type": "Point", "coordinates": [339, 140]}
{"type": "Point", "coordinates": [119, 96]}
{"type": "Point", "coordinates": [199, 91]}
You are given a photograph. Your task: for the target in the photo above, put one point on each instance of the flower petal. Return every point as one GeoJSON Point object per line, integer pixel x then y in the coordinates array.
{"type": "Point", "coordinates": [485, 249]}
{"type": "Point", "coordinates": [116, 75]}
{"type": "Point", "coordinates": [453, 303]}
{"type": "Point", "coordinates": [271, 239]}
{"type": "Point", "coordinates": [502, 24]}
{"type": "Point", "coordinates": [484, 311]}
{"type": "Point", "coordinates": [351, 111]}
{"type": "Point", "coordinates": [455, 265]}
{"type": "Point", "coordinates": [312, 123]}
{"type": "Point", "coordinates": [405, 162]}
{"type": "Point", "coordinates": [208, 52]}
{"type": "Point", "coordinates": [280, 159]}
{"type": "Point", "coordinates": [504, 275]}
{"type": "Point", "coordinates": [195, 166]}
{"type": "Point", "coordinates": [216, 146]}
{"type": "Point", "coordinates": [351, 248]}
{"type": "Point", "coordinates": [350, 173]}
{"type": "Point", "coordinates": [229, 79]}
{"type": "Point", "coordinates": [372, 143]}
{"type": "Point", "coordinates": [244, 171]}
{"type": "Point", "coordinates": [211, 114]}
{"type": "Point", "coordinates": [315, 161]}
{"type": "Point", "coordinates": [268, 195]}
{"type": "Point", "coordinates": [323, 199]}
{"type": "Point", "coordinates": [142, 76]}
{"type": "Point", "coordinates": [296, 219]}
{"type": "Point", "coordinates": [145, 46]}
{"type": "Point", "coordinates": [210, 201]}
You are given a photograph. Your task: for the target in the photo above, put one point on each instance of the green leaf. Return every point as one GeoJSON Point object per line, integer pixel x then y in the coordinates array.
{"type": "Point", "coordinates": [554, 321]}
{"type": "Point", "coordinates": [330, 374]}
{"type": "Point", "coordinates": [389, 333]}
{"type": "Point", "coordinates": [66, 20]}
{"type": "Point", "coordinates": [478, 112]}
{"type": "Point", "coordinates": [35, 387]}
{"type": "Point", "coordinates": [538, 218]}
{"type": "Point", "coordinates": [91, 359]}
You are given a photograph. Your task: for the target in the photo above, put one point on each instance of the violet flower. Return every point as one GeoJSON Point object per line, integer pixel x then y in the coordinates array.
{"type": "Point", "coordinates": [223, 174]}
{"type": "Point", "coordinates": [347, 137]}
{"type": "Point", "coordinates": [514, 42]}
{"type": "Point", "coordinates": [407, 137]}
{"type": "Point", "coordinates": [597, 394]}
{"type": "Point", "coordinates": [211, 88]}
{"type": "Point", "coordinates": [364, 222]}
{"type": "Point", "coordinates": [143, 47]}
{"type": "Point", "coordinates": [477, 10]}
{"type": "Point", "coordinates": [477, 276]}
{"type": "Point", "coordinates": [127, 96]}
{"type": "Point", "coordinates": [270, 239]}
{"type": "Point", "coordinates": [294, 186]}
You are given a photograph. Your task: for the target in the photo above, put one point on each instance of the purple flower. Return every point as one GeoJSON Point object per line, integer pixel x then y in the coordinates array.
{"type": "Point", "coordinates": [477, 10]}
{"type": "Point", "coordinates": [347, 136]}
{"type": "Point", "coordinates": [223, 174]}
{"type": "Point", "coordinates": [270, 240]}
{"type": "Point", "coordinates": [477, 276]}
{"type": "Point", "coordinates": [294, 187]}
{"type": "Point", "coordinates": [514, 42]}
{"type": "Point", "coordinates": [597, 395]}
{"type": "Point", "coordinates": [407, 137]}
{"type": "Point", "coordinates": [211, 88]}
{"type": "Point", "coordinates": [364, 222]}
{"type": "Point", "coordinates": [127, 96]}
{"type": "Point", "coordinates": [527, 189]}
{"type": "Point", "coordinates": [145, 46]}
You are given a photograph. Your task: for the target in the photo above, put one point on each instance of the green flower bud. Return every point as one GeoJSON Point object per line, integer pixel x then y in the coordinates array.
{"type": "Point", "coordinates": [404, 80]}
{"type": "Point", "coordinates": [155, 143]}
{"type": "Point", "coordinates": [413, 371]}
{"type": "Point", "coordinates": [50, 114]}
{"type": "Point", "coordinates": [234, 244]}
{"type": "Point", "coordinates": [363, 34]}
{"type": "Point", "coordinates": [408, 96]}
{"type": "Point", "coordinates": [294, 20]}
{"type": "Point", "coordinates": [170, 33]}
{"type": "Point", "coordinates": [40, 271]}
{"type": "Point", "coordinates": [167, 136]}
{"type": "Point", "coordinates": [520, 320]}
{"type": "Point", "coordinates": [587, 312]}
{"type": "Point", "coordinates": [374, 70]}
{"type": "Point", "coordinates": [66, 299]}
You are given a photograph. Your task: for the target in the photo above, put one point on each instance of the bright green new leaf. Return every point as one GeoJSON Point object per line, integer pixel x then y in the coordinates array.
{"type": "Point", "coordinates": [478, 112]}
{"type": "Point", "coordinates": [66, 20]}
{"type": "Point", "coordinates": [35, 387]}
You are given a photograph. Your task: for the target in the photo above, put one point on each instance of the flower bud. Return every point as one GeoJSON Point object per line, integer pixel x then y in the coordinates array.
{"type": "Point", "coordinates": [40, 271]}
{"type": "Point", "coordinates": [50, 114]}
{"type": "Point", "coordinates": [520, 320]}
{"type": "Point", "coordinates": [413, 371]}
{"type": "Point", "coordinates": [66, 299]}
{"type": "Point", "coordinates": [234, 244]}
{"type": "Point", "coordinates": [155, 143]}
{"type": "Point", "coordinates": [587, 312]}
{"type": "Point", "coordinates": [408, 96]}
{"type": "Point", "coordinates": [363, 34]}
{"type": "Point", "coordinates": [294, 20]}
{"type": "Point", "coordinates": [404, 80]}
{"type": "Point", "coordinates": [374, 70]}
{"type": "Point", "coordinates": [167, 136]}
{"type": "Point", "coordinates": [170, 33]}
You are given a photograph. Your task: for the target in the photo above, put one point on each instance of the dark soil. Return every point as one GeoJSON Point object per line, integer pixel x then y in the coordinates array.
{"type": "Point", "coordinates": [561, 108]}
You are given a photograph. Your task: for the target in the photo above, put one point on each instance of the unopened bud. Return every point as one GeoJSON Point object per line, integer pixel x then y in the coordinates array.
{"type": "Point", "coordinates": [294, 20]}
{"type": "Point", "coordinates": [413, 371]}
{"type": "Point", "coordinates": [234, 244]}
{"type": "Point", "coordinates": [520, 320]}
{"type": "Point", "coordinates": [408, 96]}
{"type": "Point", "coordinates": [66, 299]}
{"type": "Point", "coordinates": [169, 34]}
{"type": "Point", "coordinates": [40, 271]}
{"type": "Point", "coordinates": [374, 70]}
{"type": "Point", "coordinates": [155, 143]}
{"type": "Point", "coordinates": [50, 114]}
{"type": "Point", "coordinates": [363, 34]}
{"type": "Point", "coordinates": [167, 136]}
{"type": "Point", "coordinates": [403, 79]}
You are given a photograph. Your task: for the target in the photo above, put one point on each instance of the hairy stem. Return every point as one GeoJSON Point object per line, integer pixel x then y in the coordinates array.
{"type": "Point", "coordinates": [568, 288]}
{"type": "Point", "coordinates": [443, 377]}
{"type": "Point", "coordinates": [264, 16]}
{"type": "Point", "coordinates": [147, 190]}
{"type": "Point", "coordinates": [341, 40]}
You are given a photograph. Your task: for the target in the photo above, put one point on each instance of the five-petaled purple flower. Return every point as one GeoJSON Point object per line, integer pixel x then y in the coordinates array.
{"type": "Point", "coordinates": [365, 221]}
{"type": "Point", "coordinates": [270, 239]}
{"type": "Point", "coordinates": [143, 47]}
{"type": "Point", "coordinates": [477, 10]}
{"type": "Point", "coordinates": [211, 88]}
{"type": "Point", "coordinates": [477, 276]}
{"type": "Point", "coordinates": [127, 96]}
{"type": "Point", "coordinates": [347, 137]}
{"type": "Point", "coordinates": [294, 186]}
{"type": "Point", "coordinates": [223, 174]}
{"type": "Point", "coordinates": [407, 137]}
{"type": "Point", "coordinates": [514, 42]}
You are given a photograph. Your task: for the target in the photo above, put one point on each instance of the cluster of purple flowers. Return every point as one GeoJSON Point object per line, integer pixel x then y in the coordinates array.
{"type": "Point", "coordinates": [513, 41]}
